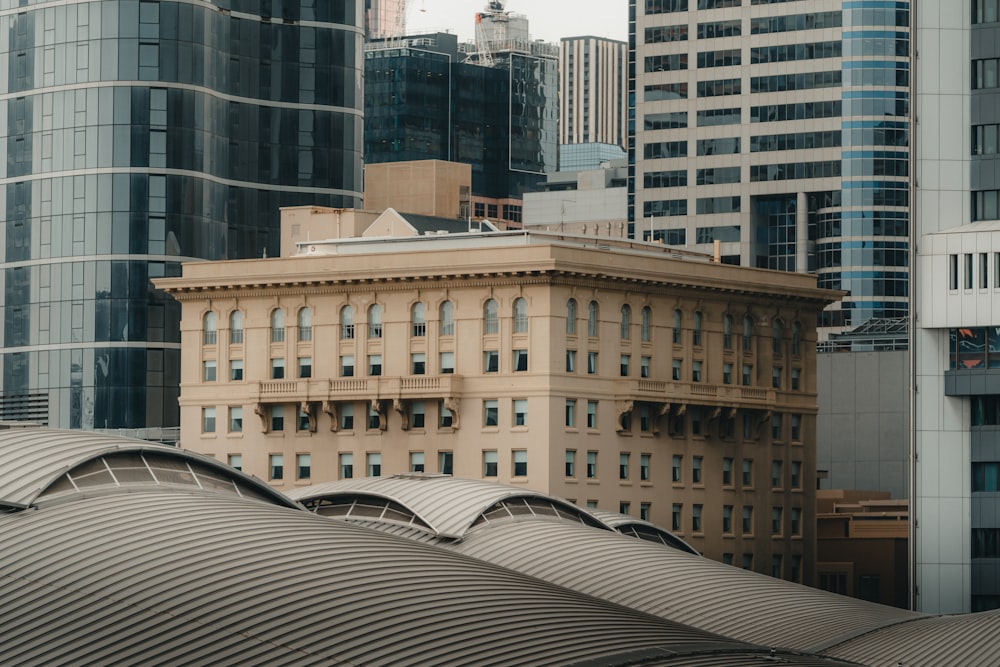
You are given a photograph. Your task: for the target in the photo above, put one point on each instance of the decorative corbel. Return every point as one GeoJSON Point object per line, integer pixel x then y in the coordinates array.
{"type": "Point", "coordinates": [330, 408]}
{"type": "Point", "coordinates": [310, 410]}
{"type": "Point", "coordinates": [403, 408]}
{"type": "Point", "coordinates": [624, 409]}
{"type": "Point", "coordinates": [764, 418]}
{"type": "Point", "coordinates": [378, 406]}
{"type": "Point", "coordinates": [261, 411]}
{"type": "Point", "coordinates": [452, 404]}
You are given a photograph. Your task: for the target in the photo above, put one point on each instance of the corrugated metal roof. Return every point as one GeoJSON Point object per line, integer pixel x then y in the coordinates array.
{"type": "Point", "coordinates": [629, 525]}
{"type": "Point", "coordinates": [449, 505]}
{"type": "Point", "coordinates": [165, 577]}
{"type": "Point", "coordinates": [31, 459]}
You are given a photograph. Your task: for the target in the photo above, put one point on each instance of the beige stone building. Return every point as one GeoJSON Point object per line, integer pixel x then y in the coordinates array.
{"type": "Point", "coordinates": [617, 374]}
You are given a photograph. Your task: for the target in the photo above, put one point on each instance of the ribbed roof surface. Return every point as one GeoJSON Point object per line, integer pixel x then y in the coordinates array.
{"type": "Point", "coordinates": [450, 505]}
{"type": "Point", "coordinates": [629, 525]}
{"type": "Point", "coordinates": [31, 459]}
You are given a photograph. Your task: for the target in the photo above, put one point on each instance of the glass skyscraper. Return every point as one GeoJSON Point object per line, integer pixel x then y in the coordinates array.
{"type": "Point", "coordinates": [139, 135]}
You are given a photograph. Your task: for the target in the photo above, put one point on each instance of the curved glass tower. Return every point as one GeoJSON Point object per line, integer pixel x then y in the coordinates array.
{"type": "Point", "coordinates": [139, 135]}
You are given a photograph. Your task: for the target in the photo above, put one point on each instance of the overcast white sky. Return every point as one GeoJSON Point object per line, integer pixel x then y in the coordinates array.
{"type": "Point", "coordinates": [547, 19]}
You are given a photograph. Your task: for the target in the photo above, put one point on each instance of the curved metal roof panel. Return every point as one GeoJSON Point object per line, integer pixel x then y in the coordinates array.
{"type": "Point", "coordinates": [31, 459]}
{"type": "Point", "coordinates": [448, 504]}
{"type": "Point", "coordinates": [622, 522]}
{"type": "Point", "coordinates": [169, 578]}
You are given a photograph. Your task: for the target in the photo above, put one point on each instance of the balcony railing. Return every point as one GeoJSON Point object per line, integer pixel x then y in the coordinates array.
{"type": "Point", "coordinates": [359, 388]}
{"type": "Point", "coordinates": [696, 392]}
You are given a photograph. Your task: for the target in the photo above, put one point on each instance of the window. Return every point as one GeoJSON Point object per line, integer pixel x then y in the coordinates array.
{"type": "Point", "coordinates": [210, 324]}
{"type": "Point", "coordinates": [797, 569]}
{"type": "Point", "coordinates": [623, 507]}
{"type": "Point", "coordinates": [276, 466]}
{"type": "Point", "coordinates": [796, 521]}
{"type": "Point", "coordinates": [776, 566]}
{"type": "Point", "coordinates": [446, 313]}
{"type": "Point", "coordinates": [235, 419]}
{"type": "Point", "coordinates": [623, 465]}
{"type": "Point", "coordinates": [418, 363]}
{"type": "Point", "coordinates": [347, 365]}
{"type": "Point", "coordinates": [303, 466]}
{"type": "Point", "coordinates": [416, 461]}
{"type": "Point", "coordinates": [208, 420]}
{"type": "Point", "coordinates": [796, 378]}
{"type": "Point", "coordinates": [491, 361]}
{"type": "Point", "coordinates": [236, 327]}
{"type": "Point", "coordinates": [277, 369]}
{"type": "Point", "coordinates": [747, 520]}
{"type": "Point", "coordinates": [676, 474]}
{"type": "Point", "coordinates": [374, 461]}
{"type": "Point", "coordinates": [646, 331]}
{"type": "Point", "coordinates": [953, 272]}
{"type": "Point", "coordinates": [727, 373]}
{"type": "Point", "coordinates": [747, 478]}
{"type": "Point", "coordinates": [675, 516]}
{"type": "Point", "coordinates": [747, 374]}
{"type": "Point", "coordinates": [777, 331]}
{"type": "Point", "coordinates": [490, 463]}
{"type": "Point", "coordinates": [696, 331]}
{"type": "Point", "coordinates": [797, 338]}
{"type": "Point", "coordinates": [968, 271]}
{"type": "Point", "coordinates": [591, 465]}
{"type": "Point", "coordinates": [236, 370]}
{"type": "Point", "coordinates": [796, 427]}
{"type": "Point", "coordinates": [305, 324]}
{"type": "Point", "coordinates": [776, 467]}
{"type": "Point", "coordinates": [644, 460]}
{"type": "Point", "coordinates": [747, 333]}
{"type": "Point", "coordinates": [747, 561]}
{"type": "Point", "coordinates": [776, 427]}
{"type": "Point", "coordinates": [236, 461]}
{"type": "Point", "coordinates": [570, 361]}
{"type": "Point", "coordinates": [645, 364]}
{"type": "Point", "coordinates": [796, 474]}
{"type": "Point", "coordinates": [277, 418]}
{"type": "Point", "coordinates": [748, 427]}
{"type": "Point", "coordinates": [446, 462]}
{"type": "Point", "coordinates": [346, 323]}
{"type": "Point", "coordinates": [570, 412]}
{"type": "Point", "coordinates": [490, 413]}
{"type": "Point", "coordinates": [696, 371]}
{"type": "Point", "coordinates": [571, 317]}
{"type": "Point", "coordinates": [984, 270]}
{"type": "Point", "coordinates": [520, 361]}
{"type": "Point", "coordinates": [375, 321]}
{"type": "Point", "coordinates": [277, 325]}
{"type": "Point", "coordinates": [208, 372]}
{"type": "Point", "coordinates": [644, 511]}
{"type": "Point", "coordinates": [592, 314]}
{"type": "Point", "coordinates": [776, 521]}
{"type": "Point", "coordinates": [571, 463]}
{"type": "Point", "coordinates": [623, 364]}
{"type": "Point", "coordinates": [447, 361]}
{"type": "Point", "coordinates": [678, 321]}
{"type": "Point", "coordinates": [727, 471]}
{"type": "Point", "coordinates": [417, 414]}
{"type": "Point", "coordinates": [591, 363]}
{"type": "Point", "coordinates": [418, 322]}
{"type": "Point", "coordinates": [696, 518]}
{"type": "Point", "coordinates": [374, 365]}
{"type": "Point", "coordinates": [305, 367]}
{"type": "Point", "coordinates": [727, 518]}
{"type": "Point", "coordinates": [374, 419]}
{"type": "Point", "coordinates": [445, 418]}
{"type": "Point", "coordinates": [591, 414]}
{"type": "Point", "coordinates": [520, 412]}
{"type": "Point", "coordinates": [727, 332]}
{"type": "Point", "coordinates": [520, 463]}
{"type": "Point", "coordinates": [520, 315]}
{"type": "Point", "coordinates": [491, 317]}
{"type": "Point", "coordinates": [776, 377]}
{"type": "Point", "coordinates": [696, 420]}
{"type": "Point", "coordinates": [675, 370]}
{"type": "Point", "coordinates": [696, 470]}
{"type": "Point", "coordinates": [347, 416]}
{"type": "Point", "coordinates": [626, 322]}
{"type": "Point", "coordinates": [346, 466]}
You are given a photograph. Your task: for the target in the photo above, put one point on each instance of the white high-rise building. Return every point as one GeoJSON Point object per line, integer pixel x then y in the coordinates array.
{"type": "Point", "coordinates": [592, 91]}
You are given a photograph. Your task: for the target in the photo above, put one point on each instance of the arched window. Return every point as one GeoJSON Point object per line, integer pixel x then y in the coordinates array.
{"type": "Point", "coordinates": [305, 324]}
{"type": "Point", "coordinates": [626, 322]}
{"type": "Point", "coordinates": [571, 316]}
{"type": "Point", "coordinates": [347, 322]}
{"type": "Point", "coordinates": [777, 330]}
{"type": "Point", "coordinates": [236, 327]}
{"type": "Point", "coordinates": [796, 338]}
{"type": "Point", "coordinates": [491, 317]}
{"type": "Point", "coordinates": [727, 332]}
{"type": "Point", "coordinates": [647, 325]}
{"type": "Point", "coordinates": [446, 313]}
{"type": "Point", "coordinates": [210, 325]}
{"type": "Point", "coordinates": [747, 333]}
{"type": "Point", "coordinates": [520, 315]}
{"type": "Point", "coordinates": [592, 314]}
{"type": "Point", "coordinates": [696, 332]}
{"type": "Point", "coordinates": [678, 321]}
{"type": "Point", "coordinates": [277, 325]}
{"type": "Point", "coordinates": [374, 321]}
{"type": "Point", "coordinates": [417, 320]}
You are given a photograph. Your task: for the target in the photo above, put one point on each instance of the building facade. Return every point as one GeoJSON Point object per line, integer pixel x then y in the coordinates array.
{"type": "Point", "coordinates": [592, 91]}
{"type": "Point", "coordinates": [139, 135]}
{"type": "Point", "coordinates": [628, 377]}
{"type": "Point", "coordinates": [956, 344]}
{"type": "Point", "coordinates": [782, 131]}
{"type": "Point", "coordinates": [385, 19]}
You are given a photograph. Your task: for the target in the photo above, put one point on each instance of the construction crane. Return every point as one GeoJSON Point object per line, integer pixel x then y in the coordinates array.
{"type": "Point", "coordinates": [486, 30]}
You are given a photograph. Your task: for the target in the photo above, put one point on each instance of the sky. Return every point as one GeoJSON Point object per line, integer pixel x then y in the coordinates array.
{"type": "Point", "coordinates": [548, 20]}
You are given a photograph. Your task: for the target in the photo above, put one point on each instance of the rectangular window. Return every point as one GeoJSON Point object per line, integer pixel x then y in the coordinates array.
{"type": "Point", "coordinates": [374, 365]}
{"type": "Point", "coordinates": [591, 465]}
{"type": "Point", "coordinates": [796, 474]}
{"type": "Point", "coordinates": [747, 520]}
{"type": "Point", "coordinates": [374, 461]}
{"type": "Point", "coordinates": [644, 467]}
{"type": "Point", "coordinates": [675, 370]}
{"type": "Point", "coordinates": [645, 418]}
{"type": "Point", "coordinates": [623, 507]}
{"type": "Point", "coordinates": [727, 518]}
{"type": "Point", "coordinates": [209, 371]}
{"type": "Point", "coordinates": [346, 466]}
{"type": "Point", "coordinates": [570, 412]}
{"type": "Point", "coordinates": [418, 363]}
{"type": "Point", "coordinates": [570, 361]}
{"type": "Point", "coordinates": [490, 413]}
{"type": "Point", "coordinates": [727, 373]}
{"type": "Point", "coordinates": [277, 418]}
{"type": "Point", "coordinates": [446, 462]}
{"type": "Point", "coordinates": [347, 416]}
{"type": "Point", "coordinates": [447, 363]}
{"type": "Point", "coordinates": [747, 561]}
{"type": "Point", "coordinates": [416, 462]}
{"type": "Point", "coordinates": [953, 272]}
{"type": "Point", "coordinates": [276, 466]}
{"type": "Point", "coordinates": [303, 466]}
{"type": "Point", "coordinates": [644, 511]}
{"type": "Point", "coordinates": [796, 427]}
{"type": "Point", "coordinates": [520, 361]}
{"type": "Point", "coordinates": [776, 467]}
{"type": "Point", "coordinates": [968, 270]}
{"type": "Point", "coordinates": [417, 415]}
{"type": "Point", "coordinates": [696, 470]}
{"type": "Point", "coordinates": [277, 369]}
{"type": "Point", "coordinates": [374, 419]}
{"type": "Point", "coordinates": [491, 361]}
{"type": "Point", "coordinates": [675, 517]}
{"type": "Point", "coordinates": [591, 363]}
{"type": "Point", "coordinates": [696, 371]}
{"type": "Point", "coordinates": [520, 463]}
{"type": "Point", "coordinates": [776, 427]}
{"type": "Point", "coordinates": [796, 521]}
{"type": "Point", "coordinates": [520, 412]}
{"type": "Point", "coordinates": [236, 461]}
{"type": "Point", "coordinates": [747, 478]}
{"type": "Point", "coordinates": [776, 377]}
{"type": "Point", "coordinates": [796, 378]}
{"type": "Point", "coordinates": [490, 463]}
{"type": "Point", "coordinates": [236, 370]}
{"type": "Point", "coordinates": [644, 367]}
{"type": "Point", "coordinates": [696, 518]}
{"type": "Point", "coordinates": [623, 365]}
{"type": "Point", "coordinates": [676, 474]}
{"type": "Point", "coordinates": [776, 521]}
{"type": "Point", "coordinates": [571, 463]}
{"type": "Point", "coordinates": [591, 414]}
{"type": "Point", "coordinates": [347, 365]}
{"type": "Point", "coordinates": [623, 466]}
{"type": "Point", "coordinates": [727, 471]}
{"type": "Point", "coordinates": [208, 420]}
{"type": "Point", "coordinates": [984, 270]}
{"type": "Point", "coordinates": [235, 420]}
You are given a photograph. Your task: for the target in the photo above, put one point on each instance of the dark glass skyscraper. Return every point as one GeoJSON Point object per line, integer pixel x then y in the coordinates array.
{"type": "Point", "coordinates": [139, 135]}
